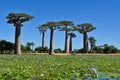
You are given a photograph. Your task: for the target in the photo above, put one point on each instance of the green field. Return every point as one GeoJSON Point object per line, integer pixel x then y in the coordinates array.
{"type": "Point", "coordinates": [46, 67]}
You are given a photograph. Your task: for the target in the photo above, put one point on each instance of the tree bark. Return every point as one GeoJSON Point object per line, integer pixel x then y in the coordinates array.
{"type": "Point", "coordinates": [51, 42]}
{"type": "Point", "coordinates": [17, 48]}
{"type": "Point", "coordinates": [70, 44]}
{"type": "Point", "coordinates": [66, 42]}
{"type": "Point", "coordinates": [85, 42]}
{"type": "Point", "coordinates": [91, 48]}
{"type": "Point", "coordinates": [43, 40]}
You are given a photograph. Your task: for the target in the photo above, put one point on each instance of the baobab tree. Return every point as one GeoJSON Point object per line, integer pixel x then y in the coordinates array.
{"type": "Point", "coordinates": [42, 30]}
{"type": "Point", "coordinates": [72, 35]}
{"type": "Point", "coordinates": [84, 29]}
{"type": "Point", "coordinates": [52, 26]}
{"type": "Point", "coordinates": [65, 28]}
{"type": "Point", "coordinates": [17, 19]}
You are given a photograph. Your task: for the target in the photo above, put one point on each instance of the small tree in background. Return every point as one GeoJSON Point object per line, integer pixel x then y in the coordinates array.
{"type": "Point", "coordinates": [109, 49]}
{"type": "Point", "coordinates": [58, 50]}
{"type": "Point", "coordinates": [30, 45]}
{"type": "Point", "coordinates": [92, 43]}
{"type": "Point", "coordinates": [6, 47]}
{"type": "Point", "coordinates": [41, 49]}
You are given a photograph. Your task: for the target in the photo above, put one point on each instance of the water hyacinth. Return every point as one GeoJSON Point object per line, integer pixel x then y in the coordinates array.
{"type": "Point", "coordinates": [51, 69]}
{"type": "Point", "coordinates": [8, 69]}
{"type": "Point", "coordinates": [42, 75]}
{"type": "Point", "coordinates": [43, 67]}
{"type": "Point", "coordinates": [38, 63]}
{"type": "Point", "coordinates": [93, 72]}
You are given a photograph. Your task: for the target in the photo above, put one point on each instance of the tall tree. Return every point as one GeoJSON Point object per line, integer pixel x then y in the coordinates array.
{"type": "Point", "coordinates": [52, 26]}
{"type": "Point", "coordinates": [65, 28]}
{"type": "Point", "coordinates": [42, 30]}
{"type": "Point", "coordinates": [92, 43]}
{"type": "Point", "coordinates": [84, 29]}
{"type": "Point", "coordinates": [72, 35]}
{"type": "Point", "coordinates": [17, 19]}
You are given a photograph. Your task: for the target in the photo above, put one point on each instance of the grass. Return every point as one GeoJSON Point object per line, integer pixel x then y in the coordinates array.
{"type": "Point", "coordinates": [56, 67]}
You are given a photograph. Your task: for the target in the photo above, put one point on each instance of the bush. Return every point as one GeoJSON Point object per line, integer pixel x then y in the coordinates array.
{"type": "Point", "coordinates": [42, 50]}
{"type": "Point", "coordinates": [58, 50]}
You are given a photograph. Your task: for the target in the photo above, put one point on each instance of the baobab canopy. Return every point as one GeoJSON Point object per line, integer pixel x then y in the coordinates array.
{"type": "Point", "coordinates": [18, 18]}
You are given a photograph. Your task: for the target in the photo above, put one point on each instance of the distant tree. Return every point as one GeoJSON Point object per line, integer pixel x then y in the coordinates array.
{"type": "Point", "coordinates": [65, 28]}
{"type": "Point", "coordinates": [30, 45]}
{"type": "Point", "coordinates": [42, 30]}
{"type": "Point", "coordinates": [81, 50]}
{"type": "Point", "coordinates": [78, 50]}
{"type": "Point", "coordinates": [17, 19]}
{"type": "Point", "coordinates": [92, 43]}
{"type": "Point", "coordinates": [9, 47]}
{"type": "Point", "coordinates": [72, 35]}
{"type": "Point", "coordinates": [110, 49]}
{"type": "Point", "coordinates": [42, 49]}
{"type": "Point", "coordinates": [84, 29]}
{"type": "Point", "coordinates": [98, 49]}
{"type": "Point", "coordinates": [2, 46]}
{"type": "Point", "coordinates": [52, 26]}
{"type": "Point", "coordinates": [5, 46]}
{"type": "Point", "coordinates": [24, 49]}
{"type": "Point", "coordinates": [58, 50]}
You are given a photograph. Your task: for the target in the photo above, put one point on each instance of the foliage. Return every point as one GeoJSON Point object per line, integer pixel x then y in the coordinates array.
{"type": "Point", "coordinates": [26, 49]}
{"type": "Point", "coordinates": [85, 27]}
{"type": "Point", "coordinates": [42, 28]}
{"type": "Point", "coordinates": [42, 49]}
{"type": "Point", "coordinates": [71, 34]}
{"type": "Point", "coordinates": [92, 43]}
{"type": "Point", "coordinates": [18, 18]}
{"type": "Point", "coordinates": [105, 49]}
{"type": "Point", "coordinates": [44, 67]}
{"type": "Point", "coordinates": [110, 49]}
{"type": "Point", "coordinates": [30, 45]}
{"type": "Point", "coordinates": [65, 25]}
{"type": "Point", "coordinates": [78, 50]}
{"type": "Point", "coordinates": [58, 50]}
{"type": "Point", "coordinates": [98, 49]}
{"type": "Point", "coordinates": [6, 47]}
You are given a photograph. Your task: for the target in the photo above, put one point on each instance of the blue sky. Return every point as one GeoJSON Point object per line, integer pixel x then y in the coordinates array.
{"type": "Point", "coordinates": [103, 14]}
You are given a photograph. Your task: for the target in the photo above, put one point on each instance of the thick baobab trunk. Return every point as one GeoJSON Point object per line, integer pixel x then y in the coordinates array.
{"type": "Point", "coordinates": [17, 48]}
{"type": "Point", "coordinates": [85, 42]}
{"type": "Point", "coordinates": [66, 42]}
{"type": "Point", "coordinates": [43, 40]}
{"type": "Point", "coordinates": [70, 45]}
{"type": "Point", "coordinates": [51, 42]}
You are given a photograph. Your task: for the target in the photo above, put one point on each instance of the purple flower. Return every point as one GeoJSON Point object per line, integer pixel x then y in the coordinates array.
{"type": "Point", "coordinates": [51, 69]}
{"type": "Point", "coordinates": [92, 69]}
